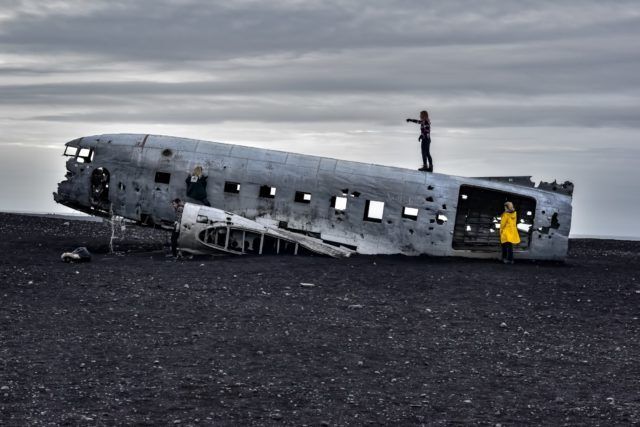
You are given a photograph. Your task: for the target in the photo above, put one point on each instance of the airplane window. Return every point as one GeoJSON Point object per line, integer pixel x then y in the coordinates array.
{"type": "Point", "coordinates": [252, 242]}
{"type": "Point", "coordinates": [71, 151]}
{"type": "Point", "coordinates": [221, 236]}
{"type": "Point", "coordinates": [231, 187]}
{"type": "Point", "coordinates": [236, 240]}
{"type": "Point", "coordinates": [163, 177]}
{"type": "Point", "coordinates": [373, 211]}
{"type": "Point", "coordinates": [410, 213]}
{"type": "Point", "coordinates": [339, 203]}
{"type": "Point", "coordinates": [268, 191]}
{"type": "Point", "coordinates": [302, 197]}
{"type": "Point", "coordinates": [85, 155]}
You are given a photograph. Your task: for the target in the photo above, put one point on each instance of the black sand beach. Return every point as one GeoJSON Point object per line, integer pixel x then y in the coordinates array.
{"type": "Point", "coordinates": [139, 338]}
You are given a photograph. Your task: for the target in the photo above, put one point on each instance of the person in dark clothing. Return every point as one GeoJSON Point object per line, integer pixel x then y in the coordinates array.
{"type": "Point", "coordinates": [178, 205]}
{"type": "Point", "coordinates": [425, 140]}
{"type": "Point", "coordinates": [197, 186]}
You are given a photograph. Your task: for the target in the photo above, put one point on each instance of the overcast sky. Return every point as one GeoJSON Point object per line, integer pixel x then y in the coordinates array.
{"type": "Point", "coordinates": [543, 88]}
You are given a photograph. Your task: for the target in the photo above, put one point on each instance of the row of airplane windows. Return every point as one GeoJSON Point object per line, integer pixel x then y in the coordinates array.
{"type": "Point", "coordinates": [373, 210]}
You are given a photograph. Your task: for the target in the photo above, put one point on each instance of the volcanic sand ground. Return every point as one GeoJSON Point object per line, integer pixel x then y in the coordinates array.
{"type": "Point", "coordinates": [139, 338]}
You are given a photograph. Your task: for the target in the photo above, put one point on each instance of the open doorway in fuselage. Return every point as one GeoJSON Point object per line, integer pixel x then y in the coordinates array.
{"type": "Point", "coordinates": [99, 197]}
{"type": "Point", "coordinates": [478, 218]}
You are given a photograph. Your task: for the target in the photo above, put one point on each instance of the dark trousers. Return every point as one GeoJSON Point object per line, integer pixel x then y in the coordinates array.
{"type": "Point", "coordinates": [425, 145]}
{"type": "Point", "coordinates": [204, 201]}
{"type": "Point", "coordinates": [507, 251]}
{"type": "Point", "coordinates": [174, 243]}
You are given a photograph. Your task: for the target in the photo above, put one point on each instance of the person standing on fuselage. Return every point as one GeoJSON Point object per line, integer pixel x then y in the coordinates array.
{"type": "Point", "coordinates": [425, 140]}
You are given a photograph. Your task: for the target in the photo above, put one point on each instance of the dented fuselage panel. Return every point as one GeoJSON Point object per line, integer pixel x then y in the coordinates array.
{"type": "Point", "coordinates": [369, 209]}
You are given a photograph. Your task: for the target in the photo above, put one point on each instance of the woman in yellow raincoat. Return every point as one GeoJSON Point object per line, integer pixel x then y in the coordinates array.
{"type": "Point", "coordinates": [509, 235]}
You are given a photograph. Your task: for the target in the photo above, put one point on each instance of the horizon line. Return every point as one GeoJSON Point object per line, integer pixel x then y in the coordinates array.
{"type": "Point", "coordinates": [85, 217]}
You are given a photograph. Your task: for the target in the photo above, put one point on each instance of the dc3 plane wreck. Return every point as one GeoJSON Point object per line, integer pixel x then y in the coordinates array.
{"type": "Point", "coordinates": [266, 201]}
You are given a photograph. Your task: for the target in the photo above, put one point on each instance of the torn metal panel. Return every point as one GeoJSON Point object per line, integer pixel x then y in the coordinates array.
{"type": "Point", "coordinates": [525, 181]}
{"type": "Point", "coordinates": [368, 208]}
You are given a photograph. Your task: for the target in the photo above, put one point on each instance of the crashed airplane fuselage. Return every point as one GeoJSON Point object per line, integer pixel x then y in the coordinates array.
{"type": "Point", "coordinates": [273, 199]}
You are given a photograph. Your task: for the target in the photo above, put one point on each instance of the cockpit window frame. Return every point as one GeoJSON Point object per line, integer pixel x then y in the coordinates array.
{"type": "Point", "coordinates": [79, 153]}
{"type": "Point", "coordinates": [68, 151]}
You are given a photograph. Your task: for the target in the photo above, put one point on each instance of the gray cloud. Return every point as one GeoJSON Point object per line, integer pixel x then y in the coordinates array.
{"type": "Point", "coordinates": [454, 117]}
{"type": "Point", "coordinates": [502, 64]}
{"type": "Point", "coordinates": [553, 86]}
{"type": "Point", "coordinates": [160, 30]}
{"type": "Point", "coordinates": [443, 49]}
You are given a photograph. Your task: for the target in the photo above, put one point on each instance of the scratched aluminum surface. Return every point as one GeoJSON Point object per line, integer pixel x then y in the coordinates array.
{"type": "Point", "coordinates": [133, 160]}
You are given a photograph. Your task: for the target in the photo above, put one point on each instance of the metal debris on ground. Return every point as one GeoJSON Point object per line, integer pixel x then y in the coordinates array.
{"type": "Point", "coordinates": [80, 254]}
{"type": "Point", "coordinates": [307, 285]}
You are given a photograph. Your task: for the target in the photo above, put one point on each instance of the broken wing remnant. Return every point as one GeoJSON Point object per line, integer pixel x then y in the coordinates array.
{"type": "Point", "coordinates": [205, 229]}
{"type": "Point", "coordinates": [309, 203]}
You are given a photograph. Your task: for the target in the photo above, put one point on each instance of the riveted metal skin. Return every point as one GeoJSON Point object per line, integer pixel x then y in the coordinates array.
{"type": "Point", "coordinates": [136, 176]}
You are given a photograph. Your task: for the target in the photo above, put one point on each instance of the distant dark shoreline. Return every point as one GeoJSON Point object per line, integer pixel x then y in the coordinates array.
{"type": "Point", "coordinates": [84, 217]}
{"type": "Point", "coordinates": [68, 217]}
